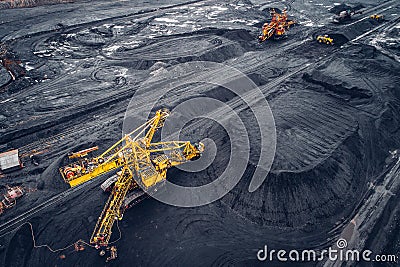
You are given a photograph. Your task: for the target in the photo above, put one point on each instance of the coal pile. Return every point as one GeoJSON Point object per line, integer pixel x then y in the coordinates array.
{"type": "Point", "coordinates": [29, 3]}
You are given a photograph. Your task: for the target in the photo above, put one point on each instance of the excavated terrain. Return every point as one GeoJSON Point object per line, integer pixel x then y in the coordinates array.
{"type": "Point", "coordinates": [336, 111]}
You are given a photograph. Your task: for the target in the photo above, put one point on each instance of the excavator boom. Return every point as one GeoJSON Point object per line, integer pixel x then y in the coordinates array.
{"type": "Point", "coordinates": [114, 157]}
{"type": "Point", "coordinates": [112, 210]}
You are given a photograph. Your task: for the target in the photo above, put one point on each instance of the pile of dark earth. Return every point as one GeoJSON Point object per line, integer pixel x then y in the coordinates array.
{"type": "Point", "coordinates": [336, 110]}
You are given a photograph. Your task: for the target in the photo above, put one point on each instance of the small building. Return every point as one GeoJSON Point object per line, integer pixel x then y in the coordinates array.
{"type": "Point", "coordinates": [10, 161]}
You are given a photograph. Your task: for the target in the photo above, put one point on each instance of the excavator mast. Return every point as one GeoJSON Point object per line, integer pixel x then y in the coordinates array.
{"type": "Point", "coordinates": [138, 158]}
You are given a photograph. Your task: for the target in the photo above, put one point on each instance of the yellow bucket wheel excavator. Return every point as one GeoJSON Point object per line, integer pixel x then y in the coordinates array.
{"type": "Point", "coordinates": [134, 155]}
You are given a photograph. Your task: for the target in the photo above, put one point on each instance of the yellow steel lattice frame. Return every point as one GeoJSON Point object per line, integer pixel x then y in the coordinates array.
{"type": "Point", "coordinates": [137, 156]}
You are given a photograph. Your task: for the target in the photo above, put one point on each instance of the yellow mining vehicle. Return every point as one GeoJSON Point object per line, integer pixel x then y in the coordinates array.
{"type": "Point", "coordinates": [136, 156]}
{"type": "Point", "coordinates": [325, 39]}
{"type": "Point", "coordinates": [376, 17]}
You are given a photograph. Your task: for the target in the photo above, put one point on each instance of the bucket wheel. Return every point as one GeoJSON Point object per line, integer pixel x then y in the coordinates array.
{"type": "Point", "coordinates": [69, 174]}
